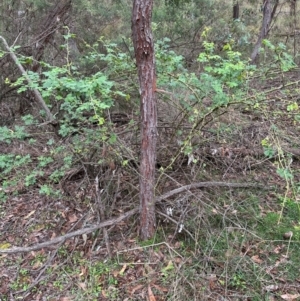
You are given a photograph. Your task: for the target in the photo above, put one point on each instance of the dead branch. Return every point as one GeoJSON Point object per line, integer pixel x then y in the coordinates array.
{"type": "Point", "coordinates": [116, 220]}
{"type": "Point", "coordinates": [62, 238]}
{"type": "Point", "coordinates": [187, 188]}
{"type": "Point", "coordinates": [37, 94]}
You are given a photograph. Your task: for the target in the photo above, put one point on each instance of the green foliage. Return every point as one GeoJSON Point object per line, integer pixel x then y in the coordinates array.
{"type": "Point", "coordinates": [229, 70]}
{"type": "Point", "coordinates": [238, 280]}
{"type": "Point", "coordinates": [176, 3]}
{"type": "Point", "coordinates": [274, 226]}
{"type": "Point", "coordinates": [167, 61]}
{"type": "Point", "coordinates": [223, 80]}
{"type": "Point", "coordinates": [75, 95]}
{"type": "Point", "coordinates": [180, 20]}
{"type": "Point", "coordinates": [7, 135]}
{"type": "Point", "coordinates": [199, 88]}
{"type": "Point", "coordinates": [280, 55]}
{"type": "Point", "coordinates": [81, 102]}
{"type": "Point", "coordinates": [285, 173]}
{"type": "Point", "coordinates": [10, 162]}
{"type": "Point", "coordinates": [81, 99]}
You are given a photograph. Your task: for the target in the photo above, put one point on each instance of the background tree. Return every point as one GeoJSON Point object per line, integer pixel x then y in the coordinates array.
{"type": "Point", "coordinates": [268, 12]}
{"type": "Point", "coordinates": [236, 10]}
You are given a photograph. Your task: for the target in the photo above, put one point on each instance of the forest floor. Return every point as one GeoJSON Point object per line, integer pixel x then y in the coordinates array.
{"type": "Point", "coordinates": [233, 237]}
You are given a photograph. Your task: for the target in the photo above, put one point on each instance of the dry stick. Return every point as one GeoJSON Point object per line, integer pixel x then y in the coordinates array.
{"type": "Point", "coordinates": [102, 215]}
{"type": "Point", "coordinates": [39, 278]}
{"type": "Point", "coordinates": [62, 238]}
{"type": "Point", "coordinates": [37, 94]}
{"type": "Point", "coordinates": [116, 220]}
{"type": "Point", "coordinates": [208, 184]}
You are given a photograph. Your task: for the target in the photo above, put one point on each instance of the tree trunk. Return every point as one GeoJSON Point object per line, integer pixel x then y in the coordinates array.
{"type": "Point", "coordinates": [267, 17]}
{"type": "Point", "coordinates": [144, 54]}
{"type": "Point", "coordinates": [236, 10]}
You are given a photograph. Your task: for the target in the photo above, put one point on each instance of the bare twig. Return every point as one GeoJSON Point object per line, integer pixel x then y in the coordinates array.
{"type": "Point", "coordinates": [39, 278]}
{"type": "Point", "coordinates": [176, 223]}
{"type": "Point", "coordinates": [102, 215]}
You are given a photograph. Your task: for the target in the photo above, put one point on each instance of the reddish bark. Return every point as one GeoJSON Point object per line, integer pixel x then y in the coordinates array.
{"type": "Point", "coordinates": [145, 59]}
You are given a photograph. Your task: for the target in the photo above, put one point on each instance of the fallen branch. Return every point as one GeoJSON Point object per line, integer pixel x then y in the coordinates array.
{"type": "Point", "coordinates": [62, 238]}
{"type": "Point", "coordinates": [207, 184]}
{"type": "Point", "coordinates": [116, 220]}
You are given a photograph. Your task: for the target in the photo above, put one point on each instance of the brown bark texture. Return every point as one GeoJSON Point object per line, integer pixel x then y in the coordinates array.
{"type": "Point", "coordinates": [267, 18]}
{"type": "Point", "coordinates": [145, 60]}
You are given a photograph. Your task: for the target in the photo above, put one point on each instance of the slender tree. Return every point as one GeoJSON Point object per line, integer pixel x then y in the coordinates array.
{"type": "Point", "coordinates": [236, 10]}
{"type": "Point", "coordinates": [145, 60]}
{"type": "Point", "coordinates": [268, 14]}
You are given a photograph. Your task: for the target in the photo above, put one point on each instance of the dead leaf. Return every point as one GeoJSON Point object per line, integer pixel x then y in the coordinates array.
{"type": "Point", "coordinates": [271, 288]}
{"type": "Point", "coordinates": [282, 259]}
{"type": "Point", "coordinates": [72, 218]}
{"type": "Point", "coordinates": [84, 237]}
{"type": "Point", "coordinates": [38, 297]}
{"type": "Point", "coordinates": [277, 250]}
{"type": "Point", "coordinates": [178, 260]}
{"type": "Point", "coordinates": [160, 288]}
{"type": "Point", "coordinates": [212, 285]}
{"type": "Point", "coordinates": [150, 294]}
{"type": "Point", "coordinates": [53, 235]}
{"type": "Point", "coordinates": [290, 297]}
{"type": "Point", "coordinates": [38, 228]}
{"type": "Point", "coordinates": [136, 288]}
{"type": "Point", "coordinates": [82, 285]}
{"type": "Point", "coordinates": [84, 271]}
{"type": "Point", "coordinates": [256, 259]}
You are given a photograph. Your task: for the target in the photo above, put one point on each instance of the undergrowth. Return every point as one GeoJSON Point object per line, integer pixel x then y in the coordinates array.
{"type": "Point", "coordinates": [224, 122]}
